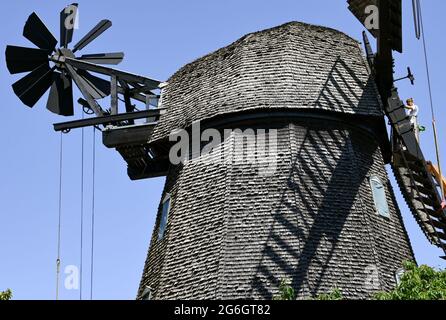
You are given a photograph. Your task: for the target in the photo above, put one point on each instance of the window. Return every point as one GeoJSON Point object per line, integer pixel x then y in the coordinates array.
{"type": "Point", "coordinates": [399, 275]}
{"type": "Point", "coordinates": [379, 196]}
{"type": "Point", "coordinates": [147, 293]}
{"type": "Point", "coordinates": [164, 217]}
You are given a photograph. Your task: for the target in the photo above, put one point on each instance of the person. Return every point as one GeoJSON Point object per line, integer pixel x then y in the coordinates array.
{"type": "Point", "coordinates": [413, 115]}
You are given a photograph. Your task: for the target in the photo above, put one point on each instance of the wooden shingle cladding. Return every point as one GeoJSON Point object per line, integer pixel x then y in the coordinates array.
{"type": "Point", "coordinates": [233, 233]}
{"type": "Point", "coordinates": [295, 65]}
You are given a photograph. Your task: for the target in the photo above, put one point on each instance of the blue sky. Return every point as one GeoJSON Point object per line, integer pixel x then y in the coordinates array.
{"type": "Point", "coordinates": [158, 37]}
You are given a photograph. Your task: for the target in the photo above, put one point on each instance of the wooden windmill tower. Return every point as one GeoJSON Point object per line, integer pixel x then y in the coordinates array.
{"type": "Point", "coordinates": [326, 218]}
{"type": "Point", "coordinates": [319, 213]}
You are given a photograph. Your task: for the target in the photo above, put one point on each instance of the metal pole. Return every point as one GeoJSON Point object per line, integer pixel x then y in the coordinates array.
{"type": "Point", "coordinates": [57, 278]}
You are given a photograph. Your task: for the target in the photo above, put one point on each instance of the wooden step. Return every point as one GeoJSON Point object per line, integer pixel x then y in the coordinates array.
{"type": "Point", "coordinates": [427, 201]}
{"type": "Point", "coordinates": [439, 225]}
{"type": "Point", "coordinates": [416, 166]}
{"type": "Point", "coordinates": [420, 179]}
{"type": "Point", "coordinates": [434, 213]}
{"type": "Point", "coordinates": [441, 235]}
{"type": "Point", "coordinates": [424, 190]}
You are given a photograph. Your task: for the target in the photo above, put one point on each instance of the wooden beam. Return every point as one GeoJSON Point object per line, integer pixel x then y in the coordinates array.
{"type": "Point", "coordinates": [151, 83]}
{"type": "Point", "coordinates": [114, 95]}
{"type": "Point", "coordinates": [156, 168]}
{"type": "Point", "coordinates": [441, 180]}
{"type": "Point", "coordinates": [92, 102]}
{"type": "Point", "coordinates": [106, 119]}
{"type": "Point", "coordinates": [127, 136]}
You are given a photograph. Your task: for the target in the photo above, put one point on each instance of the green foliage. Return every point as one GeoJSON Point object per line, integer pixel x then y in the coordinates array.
{"type": "Point", "coordinates": [286, 292]}
{"type": "Point", "coordinates": [418, 283]}
{"type": "Point", "coordinates": [336, 294]}
{"type": "Point", "coordinates": [6, 295]}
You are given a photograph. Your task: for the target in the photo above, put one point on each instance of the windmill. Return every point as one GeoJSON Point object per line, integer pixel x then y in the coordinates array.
{"type": "Point", "coordinates": [326, 218]}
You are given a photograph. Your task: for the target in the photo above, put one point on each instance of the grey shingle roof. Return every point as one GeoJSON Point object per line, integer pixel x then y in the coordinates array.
{"type": "Point", "coordinates": [294, 65]}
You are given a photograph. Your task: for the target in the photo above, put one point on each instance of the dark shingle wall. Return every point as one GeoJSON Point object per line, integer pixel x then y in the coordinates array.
{"type": "Point", "coordinates": [235, 234]}
{"type": "Point", "coordinates": [189, 255]}
{"type": "Point", "coordinates": [156, 256]}
{"type": "Point", "coordinates": [389, 237]}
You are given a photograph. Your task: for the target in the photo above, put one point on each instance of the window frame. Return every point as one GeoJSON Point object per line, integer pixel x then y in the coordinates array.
{"type": "Point", "coordinates": [399, 275]}
{"type": "Point", "coordinates": [147, 293]}
{"type": "Point", "coordinates": [165, 200]}
{"type": "Point", "coordinates": [377, 198]}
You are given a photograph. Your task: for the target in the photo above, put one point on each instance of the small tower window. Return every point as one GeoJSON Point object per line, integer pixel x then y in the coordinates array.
{"type": "Point", "coordinates": [164, 217]}
{"type": "Point", "coordinates": [379, 196]}
{"type": "Point", "coordinates": [399, 275]}
{"type": "Point", "coordinates": [147, 293]}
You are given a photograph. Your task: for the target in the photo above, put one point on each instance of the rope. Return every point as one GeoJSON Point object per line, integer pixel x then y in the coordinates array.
{"type": "Point", "coordinates": [434, 126]}
{"type": "Point", "coordinates": [426, 61]}
{"type": "Point", "coordinates": [93, 212]}
{"type": "Point", "coordinates": [60, 217]}
{"type": "Point", "coordinates": [82, 212]}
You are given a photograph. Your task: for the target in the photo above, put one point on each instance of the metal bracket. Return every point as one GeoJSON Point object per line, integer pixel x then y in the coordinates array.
{"type": "Point", "coordinates": [91, 102]}
{"type": "Point", "coordinates": [409, 76]}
